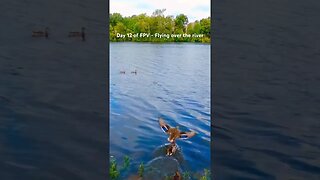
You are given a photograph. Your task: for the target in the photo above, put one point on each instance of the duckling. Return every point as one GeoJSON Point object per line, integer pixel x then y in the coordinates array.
{"type": "Point", "coordinates": [78, 34]}
{"type": "Point", "coordinates": [177, 176]}
{"type": "Point", "coordinates": [174, 133]}
{"type": "Point", "coordinates": [44, 33]}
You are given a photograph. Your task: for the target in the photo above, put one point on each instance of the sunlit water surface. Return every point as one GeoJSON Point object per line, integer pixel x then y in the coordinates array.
{"type": "Point", "coordinates": [173, 82]}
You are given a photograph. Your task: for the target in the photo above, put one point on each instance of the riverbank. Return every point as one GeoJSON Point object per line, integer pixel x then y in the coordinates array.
{"type": "Point", "coordinates": [158, 28]}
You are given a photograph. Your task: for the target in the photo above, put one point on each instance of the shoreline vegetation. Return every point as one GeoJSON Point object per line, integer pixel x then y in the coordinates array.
{"type": "Point", "coordinates": [158, 28]}
{"type": "Point", "coordinates": [116, 170]}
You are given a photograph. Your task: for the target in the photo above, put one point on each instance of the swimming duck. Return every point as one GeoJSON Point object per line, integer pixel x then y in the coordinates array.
{"type": "Point", "coordinates": [44, 33]}
{"type": "Point", "coordinates": [122, 72]}
{"type": "Point", "coordinates": [78, 34]}
{"type": "Point", "coordinates": [174, 133]}
{"type": "Point", "coordinates": [134, 72]}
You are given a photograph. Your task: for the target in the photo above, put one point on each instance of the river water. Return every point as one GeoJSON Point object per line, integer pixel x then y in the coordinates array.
{"type": "Point", "coordinates": [172, 82]}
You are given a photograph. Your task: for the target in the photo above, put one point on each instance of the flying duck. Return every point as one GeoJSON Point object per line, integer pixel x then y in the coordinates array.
{"type": "Point", "coordinates": [174, 133]}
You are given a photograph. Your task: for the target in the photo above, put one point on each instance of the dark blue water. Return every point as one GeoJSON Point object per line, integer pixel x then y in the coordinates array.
{"type": "Point", "coordinates": [173, 82]}
{"type": "Point", "coordinates": [52, 91]}
{"type": "Point", "coordinates": [266, 90]}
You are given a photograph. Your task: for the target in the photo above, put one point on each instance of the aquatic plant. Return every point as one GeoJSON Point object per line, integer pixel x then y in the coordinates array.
{"type": "Point", "coordinates": [126, 163]}
{"type": "Point", "coordinates": [206, 175]}
{"type": "Point", "coordinates": [141, 170]}
{"type": "Point", "coordinates": [114, 173]}
{"type": "Point", "coordinates": [186, 175]}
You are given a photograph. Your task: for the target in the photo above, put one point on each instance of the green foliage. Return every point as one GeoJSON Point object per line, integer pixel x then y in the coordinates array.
{"type": "Point", "coordinates": [126, 162]}
{"type": "Point", "coordinates": [206, 175]}
{"type": "Point", "coordinates": [180, 22]}
{"type": "Point", "coordinates": [186, 175]}
{"type": "Point", "coordinates": [157, 23]}
{"type": "Point", "coordinates": [205, 26]}
{"type": "Point", "coordinates": [115, 18]}
{"type": "Point", "coordinates": [114, 173]}
{"type": "Point", "coordinates": [141, 170]}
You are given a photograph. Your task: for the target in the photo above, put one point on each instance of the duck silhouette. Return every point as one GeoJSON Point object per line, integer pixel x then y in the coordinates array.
{"type": "Point", "coordinates": [78, 34]}
{"type": "Point", "coordinates": [44, 33]}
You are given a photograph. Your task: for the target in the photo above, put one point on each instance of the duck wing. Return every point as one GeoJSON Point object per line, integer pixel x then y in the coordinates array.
{"type": "Point", "coordinates": [164, 126]}
{"type": "Point", "coordinates": [187, 135]}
